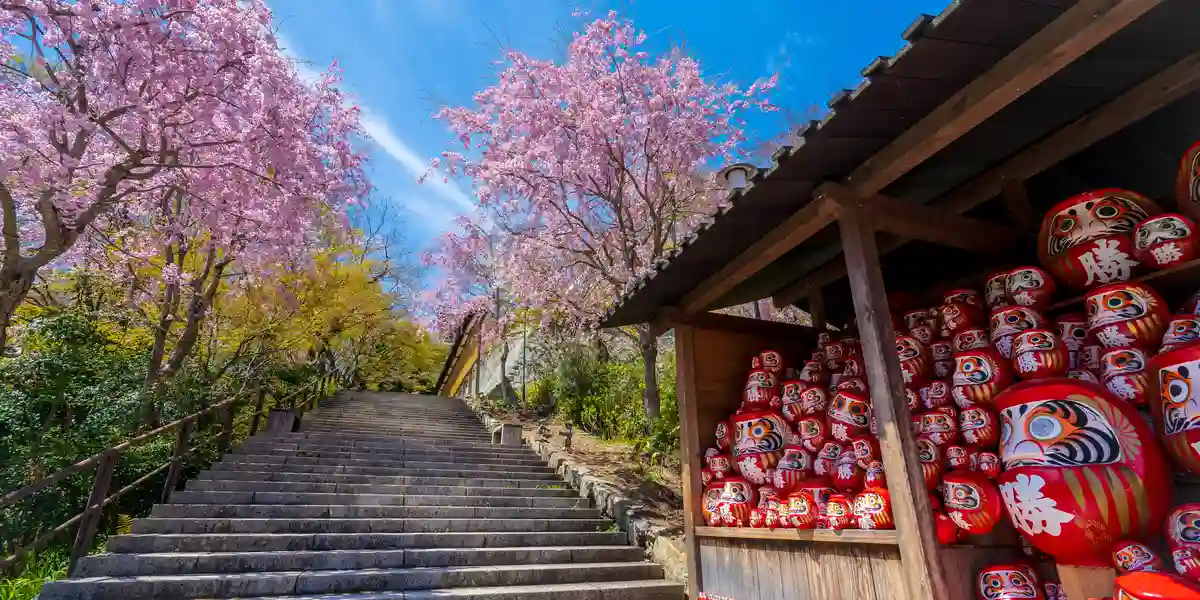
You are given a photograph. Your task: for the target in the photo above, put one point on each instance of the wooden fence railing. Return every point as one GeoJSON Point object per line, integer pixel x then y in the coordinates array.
{"type": "Point", "coordinates": [104, 463]}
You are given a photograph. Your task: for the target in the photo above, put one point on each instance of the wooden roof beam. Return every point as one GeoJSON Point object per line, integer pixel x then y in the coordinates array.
{"type": "Point", "coordinates": [1158, 91]}
{"type": "Point", "coordinates": [921, 222]}
{"type": "Point", "coordinates": [1071, 35]}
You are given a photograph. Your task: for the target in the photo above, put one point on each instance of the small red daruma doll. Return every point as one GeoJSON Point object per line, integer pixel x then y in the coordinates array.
{"type": "Point", "coordinates": [1038, 354]}
{"type": "Point", "coordinates": [738, 498]}
{"type": "Point", "coordinates": [826, 459]}
{"type": "Point", "coordinates": [854, 367]}
{"type": "Point", "coordinates": [974, 338]}
{"type": "Point", "coordinates": [762, 386]}
{"type": "Point", "coordinates": [789, 397]}
{"type": "Point", "coordinates": [1009, 582]}
{"type": "Point", "coordinates": [1165, 241]}
{"type": "Point", "coordinates": [1072, 331]}
{"type": "Point", "coordinates": [972, 501]}
{"type": "Point", "coordinates": [1131, 556]}
{"type": "Point", "coordinates": [978, 376]}
{"type": "Point", "coordinates": [814, 400]}
{"type": "Point", "coordinates": [858, 385]}
{"type": "Point", "coordinates": [945, 529]}
{"type": "Point", "coordinates": [1054, 590]}
{"type": "Point", "coordinates": [943, 359]}
{"type": "Point", "coordinates": [866, 450]}
{"type": "Point", "coordinates": [847, 475]}
{"type": "Point", "coordinates": [1081, 469]}
{"type": "Point", "coordinates": [958, 457]}
{"type": "Point", "coordinates": [940, 426]}
{"type": "Point", "coordinates": [995, 290]}
{"type": "Point", "coordinates": [936, 395]}
{"type": "Point", "coordinates": [930, 457]}
{"type": "Point", "coordinates": [706, 476]}
{"type": "Point", "coordinates": [802, 510]}
{"type": "Point", "coordinates": [1125, 374]}
{"type": "Point", "coordinates": [794, 467]}
{"type": "Point", "coordinates": [813, 433]}
{"type": "Point", "coordinates": [1175, 405]}
{"type": "Point", "coordinates": [959, 316]}
{"type": "Point", "coordinates": [839, 513]}
{"type": "Point", "coordinates": [813, 372]}
{"type": "Point", "coordinates": [834, 355]}
{"type": "Point", "coordinates": [1029, 286]}
{"type": "Point", "coordinates": [1086, 239]}
{"type": "Point", "coordinates": [1008, 322]}
{"type": "Point", "coordinates": [771, 360]}
{"type": "Point", "coordinates": [849, 416]}
{"type": "Point", "coordinates": [1127, 314]}
{"type": "Point", "coordinates": [723, 435]}
{"type": "Point", "coordinates": [1183, 538]}
{"type": "Point", "coordinates": [988, 463]}
{"type": "Point", "coordinates": [979, 427]}
{"type": "Point", "coordinates": [916, 364]}
{"type": "Point", "coordinates": [874, 475]}
{"type": "Point", "coordinates": [1181, 331]}
{"type": "Point", "coordinates": [759, 437]}
{"type": "Point", "coordinates": [720, 466]}
{"type": "Point", "coordinates": [710, 500]}
{"type": "Point", "coordinates": [1145, 585]}
{"type": "Point", "coordinates": [873, 509]}
{"type": "Point", "coordinates": [963, 295]}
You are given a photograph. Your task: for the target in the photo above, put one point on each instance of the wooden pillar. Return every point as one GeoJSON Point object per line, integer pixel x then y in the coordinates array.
{"type": "Point", "coordinates": [816, 308]}
{"type": "Point", "coordinates": [689, 450]}
{"type": "Point", "coordinates": [922, 566]}
{"type": "Point", "coordinates": [85, 536]}
{"type": "Point", "coordinates": [258, 406]}
{"type": "Point", "coordinates": [177, 458]}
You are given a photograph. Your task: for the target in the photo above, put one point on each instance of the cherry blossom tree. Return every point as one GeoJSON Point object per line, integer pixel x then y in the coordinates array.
{"type": "Point", "coordinates": [111, 110]}
{"type": "Point", "coordinates": [592, 168]}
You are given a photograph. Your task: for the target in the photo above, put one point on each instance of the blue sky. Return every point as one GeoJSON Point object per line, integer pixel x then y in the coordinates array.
{"type": "Point", "coordinates": [402, 59]}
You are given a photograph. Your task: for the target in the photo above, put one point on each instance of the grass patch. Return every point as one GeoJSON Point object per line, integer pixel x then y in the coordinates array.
{"type": "Point", "coordinates": [44, 567]}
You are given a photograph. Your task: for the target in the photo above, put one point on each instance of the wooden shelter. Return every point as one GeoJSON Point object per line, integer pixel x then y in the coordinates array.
{"type": "Point", "coordinates": [933, 172]}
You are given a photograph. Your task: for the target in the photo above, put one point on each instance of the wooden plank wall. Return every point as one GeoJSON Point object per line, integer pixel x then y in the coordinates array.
{"type": "Point", "coordinates": [770, 570]}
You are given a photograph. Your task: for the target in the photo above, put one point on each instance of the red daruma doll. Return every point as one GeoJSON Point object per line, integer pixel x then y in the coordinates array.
{"type": "Point", "coordinates": [1085, 240]}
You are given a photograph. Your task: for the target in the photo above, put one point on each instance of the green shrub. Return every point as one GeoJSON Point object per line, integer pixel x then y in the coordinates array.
{"type": "Point", "coordinates": [42, 568]}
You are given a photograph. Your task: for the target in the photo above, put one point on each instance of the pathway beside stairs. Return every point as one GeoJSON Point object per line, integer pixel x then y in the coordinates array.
{"type": "Point", "coordinates": [379, 497]}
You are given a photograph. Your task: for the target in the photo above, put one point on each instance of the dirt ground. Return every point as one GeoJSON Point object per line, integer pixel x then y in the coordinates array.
{"type": "Point", "coordinates": [658, 487]}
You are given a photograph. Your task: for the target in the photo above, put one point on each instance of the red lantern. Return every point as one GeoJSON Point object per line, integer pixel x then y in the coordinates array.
{"type": "Point", "coordinates": [1181, 331]}
{"type": "Point", "coordinates": [1127, 314]}
{"type": "Point", "coordinates": [762, 386]}
{"type": "Point", "coordinates": [803, 511]}
{"type": "Point", "coordinates": [839, 513]}
{"type": "Point", "coordinates": [759, 437]}
{"type": "Point", "coordinates": [847, 475]}
{"type": "Point", "coordinates": [1009, 582]}
{"type": "Point", "coordinates": [1125, 374]}
{"type": "Point", "coordinates": [1165, 241]}
{"type": "Point", "coordinates": [995, 291]}
{"type": "Point", "coordinates": [849, 416]}
{"type": "Point", "coordinates": [943, 359]}
{"type": "Point", "coordinates": [873, 509]}
{"type": "Point", "coordinates": [1175, 405]}
{"type": "Point", "coordinates": [1085, 240]}
{"type": "Point", "coordinates": [1038, 354]}
{"type": "Point", "coordinates": [826, 460]}
{"type": "Point", "coordinates": [979, 426]}
{"type": "Point", "coordinates": [940, 426]}
{"type": "Point", "coordinates": [930, 457]}
{"type": "Point", "coordinates": [738, 498]}
{"type": "Point", "coordinates": [978, 376]}
{"type": "Point", "coordinates": [972, 501]}
{"type": "Point", "coordinates": [792, 469]}
{"type": "Point", "coordinates": [915, 362]}
{"type": "Point", "coordinates": [1155, 586]}
{"type": "Point", "coordinates": [1072, 331]}
{"type": "Point", "coordinates": [1010, 321]}
{"type": "Point", "coordinates": [1080, 470]}
{"type": "Point", "coordinates": [1130, 556]}
{"type": "Point", "coordinates": [1029, 286]}
{"type": "Point", "coordinates": [975, 338]}
{"type": "Point", "coordinates": [813, 433]}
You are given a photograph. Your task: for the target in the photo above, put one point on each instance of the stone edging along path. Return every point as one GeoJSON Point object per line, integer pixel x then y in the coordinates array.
{"type": "Point", "coordinates": [665, 550]}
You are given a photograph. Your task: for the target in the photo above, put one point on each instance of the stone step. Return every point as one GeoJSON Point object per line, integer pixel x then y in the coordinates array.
{"type": "Point", "coordinates": [413, 430]}
{"type": "Point", "coordinates": [187, 587]}
{"type": "Point", "coordinates": [128, 565]}
{"type": "Point", "coordinates": [195, 497]}
{"type": "Point", "coordinates": [443, 457]}
{"type": "Point", "coordinates": [325, 511]}
{"type": "Point", "coordinates": [269, 446]}
{"type": "Point", "coordinates": [369, 438]}
{"type": "Point", "coordinates": [289, 476]}
{"type": "Point", "coordinates": [599, 590]}
{"type": "Point", "coordinates": [465, 472]}
{"type": "Point", "coordinates": [270, 459]}
{"type": "Point", "coordinates": [395, 444]}
{"type": "Point", "coordinates": [195, 525]}
{"type": "Point", "coordinates": [395, 420]}
{"type": "Point", "coordinates": [209, 485]}
{"type": "Point", "coordinates": [256, 542]}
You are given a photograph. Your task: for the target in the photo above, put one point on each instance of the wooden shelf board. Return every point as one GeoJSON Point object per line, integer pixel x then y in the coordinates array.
{"type": "Point", "coordinates": [886, 537]}
{"type": "Point", "coordinates": [1186, 273]}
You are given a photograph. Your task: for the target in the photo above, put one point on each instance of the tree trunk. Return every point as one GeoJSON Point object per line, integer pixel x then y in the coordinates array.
{"type": "Point", "coordinates": [16, 285]}
{"type": "Point", "coordinates": [166, 315]}
{"type": "Point", "coordinates": [649, 346]}
{"type": "Point", "coordinates": [201, 301]}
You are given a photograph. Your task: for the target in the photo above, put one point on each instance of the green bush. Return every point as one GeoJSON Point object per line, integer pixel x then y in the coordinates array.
{"type": "Point", "coordinates": [45, 567]}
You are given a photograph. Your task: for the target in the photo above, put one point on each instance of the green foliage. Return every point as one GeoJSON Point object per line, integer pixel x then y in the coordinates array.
{"type": "Point", "coordinates": [45, 567]}
{"type": "Point", "coordinates": [606, 399]}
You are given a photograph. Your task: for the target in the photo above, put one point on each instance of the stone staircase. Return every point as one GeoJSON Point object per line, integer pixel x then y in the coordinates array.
{"type": "Point", "coordinates": [380, 497]}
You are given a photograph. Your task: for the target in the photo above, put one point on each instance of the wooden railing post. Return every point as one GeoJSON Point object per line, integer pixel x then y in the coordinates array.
{"type": "Point", "coordinates": [226, 435]}
{"type": "Point", "coordinates": [258, 406]}
{"type": "Point", "coordinates": [85, 536]}
{"type": "Point", "coordinates": [176, 468]}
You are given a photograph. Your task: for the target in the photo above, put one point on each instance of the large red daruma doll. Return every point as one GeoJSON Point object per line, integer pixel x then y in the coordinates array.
{"type": "Point", "coordinates": [1081, 469]}
{"type": "Point", "coordinates": [1087, 240]}
{"type": "Point", "coordinates": [1175, 404]}
{"type": "Point", "coordinates": [759, 437]}
{"type": "Point", "coordinates": [1127, 314]}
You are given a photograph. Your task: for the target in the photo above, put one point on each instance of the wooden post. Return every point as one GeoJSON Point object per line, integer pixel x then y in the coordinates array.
{"type": "Point", "coordinates": [176, 468]}
{"type": "Point", "coordinates": [258, 406]}
{"type": "Point", "coordinates": [816, 308]}
{"type": "Point", "coordinates": [85, 536]}
{"type": "Point", "coordinates": [922, 566]}
{"type": "Point", "coordinates": [226, 435]}
{"type": "Point", "coordinates": [689, 437]}
{"type": "Point", "coordinates": [1087, 582]}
